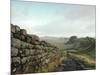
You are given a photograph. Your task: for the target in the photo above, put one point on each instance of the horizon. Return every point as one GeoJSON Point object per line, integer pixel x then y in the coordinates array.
{"type": "Point", "coordinates": [65, 36]}
{"type": "Point", "coordinates": [54, 19]}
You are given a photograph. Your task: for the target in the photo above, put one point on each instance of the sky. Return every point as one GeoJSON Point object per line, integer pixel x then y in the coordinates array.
{"type": "Point", "coordinates": [54, 19]}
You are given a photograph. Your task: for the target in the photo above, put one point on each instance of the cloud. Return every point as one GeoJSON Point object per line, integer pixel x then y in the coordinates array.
{"type": "Point", "coordinates": [54, 19]}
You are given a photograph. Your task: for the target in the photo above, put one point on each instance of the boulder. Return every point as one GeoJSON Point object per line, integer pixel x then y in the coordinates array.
{"type": "Point", "coordinates": [24, 60]}
{"type": "Point", "coordinates": [14, 70]}
{"type": "Point", "coordinates": [43, 43]}
{"type": "Point", "coordinates": [26, 45]}
{"type": "Point", "coordinates": [33, 59]}
{"type": "Point", "coordinates": [35, 42]}
{"type": "Point", "coordinates": [12, 35]}
{"type": "Point", "coordinates": [15, 43]}
{"type": "Point", "coordinates": [27, 52]}
{"type": "Point", "coordinates": [14, 51]}
{"type": "Point", "coordinates": [12, 28]}
{"type": "Point", "coordinates": [35, 37]}
{"type": "Point", "coordinates": [24, 52]}
{"type": "Point", "coordinates": [22, 37]}
{"type": "Point", "coordinates": [16, 60]}
{"type": "Point", "coordinates": [17, 35]}
{"type": "Point", "coordinates": [23, 32]}
{"type": "Point", "coordinates": [37, 47]}
{"type": "Point", "coordinates": [47, 60]}
{"type": "Point", "coordinates": [32, 52]}
{"type": "Point", "coordinates": [28, 39]}
{"type": "Point", "coordinates": [30, 46]}
{"type": "Point", "coordinates": [17, 28]}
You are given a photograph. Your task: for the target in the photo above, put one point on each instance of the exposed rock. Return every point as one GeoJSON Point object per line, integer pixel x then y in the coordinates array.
{"type": "Point", "coordinates": [22, 37]}
{"type": "Point", "coordinates": [12, 35]}
{"type": "Point", "coordinates": [16, 60]}
{"type": "Point", "coordinates": [32, 52]}
{"type": "Point", "coordinates": [17, 28]}
{"type": "Point", "coordinates": [26, 45]}
{"type": "Point", "coordinates": [29, 54]}
{"type": "Point", "coordinates": [15, 43]}
{"type": "Point", "coordinates": [37, 47]}
{"type": "Point", "coordinates": [34, 37]}
{"type": "Point", "coordinates": [28, 39]}
{"type": "Point", "coordinates": [17, 35]}
{"type": "Point", "coordinates": [14, 51]}
{"type": "Point", "coordinates": [24, 60]}
{"type": "Point", "coordinates": [23, 32]}
{"type": "Point", "coordinates": [14, 70]}
{"type": "Point", "coordinates": [12, 28]}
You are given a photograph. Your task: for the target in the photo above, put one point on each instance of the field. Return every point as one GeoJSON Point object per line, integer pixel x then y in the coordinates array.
{"type": "Point", "coordinates": [80, 54]}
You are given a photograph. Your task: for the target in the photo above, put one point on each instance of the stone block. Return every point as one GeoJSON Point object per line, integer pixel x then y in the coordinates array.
{"type": "Point", "coordinates": [23, 32]}
{"type": "Point", "coordinates": [30, 46]}
{"type": "Point", "coordinates": [28, 39]}
{"type": "Point", "coordinates": [24, 45]}
{"type": "Point", "coordinates": [24, 60]}
{"type": "Point", "coordinates": [16, 60]}
{"type": "Point", "coordinates": [22, 37]}
{"type": "Point", "coordinates": [32, 52]}
{"type": "Point", "coordinates": [15, 43]}
{"type": "Point", "coordinates": [12, 28]}
{"type": "Point", "coordinates": [17, 28]}
{"type": "Point", "coordinates": [14, 51]}
{"type": "Point", "coordinates": [38, 47]}
{"type": "Point", "coordinates": [17, 35]}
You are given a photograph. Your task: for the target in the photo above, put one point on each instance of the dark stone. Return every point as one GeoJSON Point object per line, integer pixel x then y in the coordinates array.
{"type": "Point", "coordinates": [35, 42]}
{"type": "Point", "coordinates": [28, 39]}
{"type": "Point", "coordinates": [17, 35]}
{"type": "Point", "coordinates": [35, 37]}
{"type": "Point", "coordinates": [16, 60]}
{"type": "Point", "coordinates": [14, 70]}
{"type": "Point", "coordinates": [23, 32]}
{"type": "Point", "coordinates": [12, 35]}
{"type": "Point", "coordinates": [22, 37]}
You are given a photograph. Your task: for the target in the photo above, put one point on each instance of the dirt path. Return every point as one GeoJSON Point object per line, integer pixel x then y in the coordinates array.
{"type": "Point", "coordinates": [71, 64]}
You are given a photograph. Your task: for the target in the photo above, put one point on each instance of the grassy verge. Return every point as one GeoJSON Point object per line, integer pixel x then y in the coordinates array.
{"type": "Point", "coordinates": [86, 59]}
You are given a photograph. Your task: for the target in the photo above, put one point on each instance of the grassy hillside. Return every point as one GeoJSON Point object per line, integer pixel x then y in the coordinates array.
{"type": "Point", "coordinates": [84, 49]}
{"type": "Point", "coordinates": [57, 41]}
{"type": "Point", "coordinates": [79, 50]}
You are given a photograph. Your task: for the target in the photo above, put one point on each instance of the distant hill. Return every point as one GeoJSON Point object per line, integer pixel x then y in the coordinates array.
{"type": "Point", "coordinates": [78, 50]}
{"type": "Point", "coordinates": [86, 45]}
{"type": "Point", "coordinates": [57, 41]}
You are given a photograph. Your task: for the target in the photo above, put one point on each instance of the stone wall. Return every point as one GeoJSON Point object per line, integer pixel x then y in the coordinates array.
{"type": "Point", "coordinates": [29, 54]}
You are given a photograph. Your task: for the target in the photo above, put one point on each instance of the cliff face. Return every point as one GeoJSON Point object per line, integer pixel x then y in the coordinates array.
{"type": "Point", "coordinates": [31, 55]}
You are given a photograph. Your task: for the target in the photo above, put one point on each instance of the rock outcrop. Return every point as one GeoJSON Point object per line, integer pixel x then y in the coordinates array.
{"type": "Point", "coordinates": [29, 54]}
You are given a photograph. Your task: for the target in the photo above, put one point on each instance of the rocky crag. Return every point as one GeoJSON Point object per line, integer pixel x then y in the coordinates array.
{"type": "Point", "coordinates": [29, 54]}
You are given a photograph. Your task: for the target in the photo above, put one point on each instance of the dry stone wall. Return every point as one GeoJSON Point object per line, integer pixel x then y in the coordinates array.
{"type": "Point", "coordinates": [29, 54]}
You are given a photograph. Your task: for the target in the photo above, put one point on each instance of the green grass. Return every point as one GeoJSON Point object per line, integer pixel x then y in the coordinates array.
{"type": "Point", "coordinates": [87, 59]}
